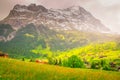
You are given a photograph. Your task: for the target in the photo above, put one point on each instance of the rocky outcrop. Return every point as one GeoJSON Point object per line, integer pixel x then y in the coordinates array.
{"type": "Point", "coordinates": [72, 18]}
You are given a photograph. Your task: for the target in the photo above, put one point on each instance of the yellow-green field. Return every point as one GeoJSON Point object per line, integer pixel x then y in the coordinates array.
{"type": "Point", "coordinates": [18, 70]}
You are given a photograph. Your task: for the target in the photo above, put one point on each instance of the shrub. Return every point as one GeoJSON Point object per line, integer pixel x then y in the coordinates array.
{"type": "Point", "coordinates": [32, 60]}
{"type": "Point", "coordinates": [60, 62]}
{"type": "Point", "coordinates": [56, 62]}
{"type": "Point", "coordinates": [105, 65]}
{"type": "Point", "coordinates": [23, 59]}
{"type": "Point", "coordinates": [50, 60]}
{"type": "Point", "coordinates": [117, 61]}
{"type": "Point", "coordinates": [96, 64]}
{"type": "Point", "coordinates": [75, 62]}
{"type": "Point", "coordinates": [65, 63]}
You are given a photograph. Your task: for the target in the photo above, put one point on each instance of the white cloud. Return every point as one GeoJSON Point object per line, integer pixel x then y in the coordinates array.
{"type": "Point", "coordinates": [108, 2]}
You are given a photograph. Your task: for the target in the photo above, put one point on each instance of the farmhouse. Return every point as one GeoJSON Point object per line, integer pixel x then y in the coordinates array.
{"type": "Point", "coordinates": [4, 55]}
{"type": "Point", "coordinates": [42, 62]}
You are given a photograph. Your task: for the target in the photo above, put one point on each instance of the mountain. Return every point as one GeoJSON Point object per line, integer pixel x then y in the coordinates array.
{"type": "Point", "coordinates": [73, 18]}
{"type": "Point", "coordinates": [35, 29]}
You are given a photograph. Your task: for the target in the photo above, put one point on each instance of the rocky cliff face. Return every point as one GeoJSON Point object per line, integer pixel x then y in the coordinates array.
{"type": "Point", "coordinates": [61, 19]}
{"type": "Point", "coordinates": [72, 18]}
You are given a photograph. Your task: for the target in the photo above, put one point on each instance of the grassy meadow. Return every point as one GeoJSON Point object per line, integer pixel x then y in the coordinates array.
{"type": "Point", "coordinates": [11, 69]}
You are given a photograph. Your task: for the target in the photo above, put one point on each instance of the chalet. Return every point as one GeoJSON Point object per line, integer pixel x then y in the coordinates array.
{"type": "Point", "coordinates": [42, 62]}
{"type": "Point", "coordinates": [3, 55]}
{"type": "Point", "coordinates": [38, 61]}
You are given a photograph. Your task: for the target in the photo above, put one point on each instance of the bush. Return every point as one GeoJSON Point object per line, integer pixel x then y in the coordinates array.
{"type": "Point", "coordinates": [96, 64]}
{"type": "Point", "coordinates": [65, 63]}
{"type": "Point", "coordinates": [105, 65]}
{"type": "Point", "coordinates": [117, 61]}
{"type": "Point", "coordinates": [32, 60]}
{"type": "Point", "coordinates": [75, 62]}
{"type": "Point", "coordinates": [60, 62]}
{"type": "Point", "coordinates": [51, 60]}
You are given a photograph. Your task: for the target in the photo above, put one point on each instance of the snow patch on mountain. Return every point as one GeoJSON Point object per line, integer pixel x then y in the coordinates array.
{"type": "Point", "coordinates": [72, 18]}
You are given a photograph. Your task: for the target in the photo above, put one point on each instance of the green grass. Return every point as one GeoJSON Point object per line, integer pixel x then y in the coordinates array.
{"type": "Point", "coordinates": [110, 50]}
{"type": "Point", "coordinates": [18, 70]}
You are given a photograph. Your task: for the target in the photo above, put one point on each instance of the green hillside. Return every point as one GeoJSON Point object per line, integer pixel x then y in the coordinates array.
{"type": "Point", "coordinates": [18, 70]}
{"type": "Point", "coordinates": [104, 56]}
{"type": "Point", "coordinates": [105, 50]}
{"type": "Point", "coordinates": [32, 40]}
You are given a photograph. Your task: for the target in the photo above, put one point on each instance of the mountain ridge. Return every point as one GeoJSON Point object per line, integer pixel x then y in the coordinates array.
{"type": "Point", "coordinates": [74, 17]}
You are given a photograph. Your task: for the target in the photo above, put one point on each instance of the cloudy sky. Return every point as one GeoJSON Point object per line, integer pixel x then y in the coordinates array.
{"type": "Point", "coordinates": [108, 11]}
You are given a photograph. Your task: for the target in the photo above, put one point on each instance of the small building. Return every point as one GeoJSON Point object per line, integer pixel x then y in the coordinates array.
{"type": "Point", "coordinates": [3, 55]}
{"type": "Point", "coordinates": [42, 62]}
